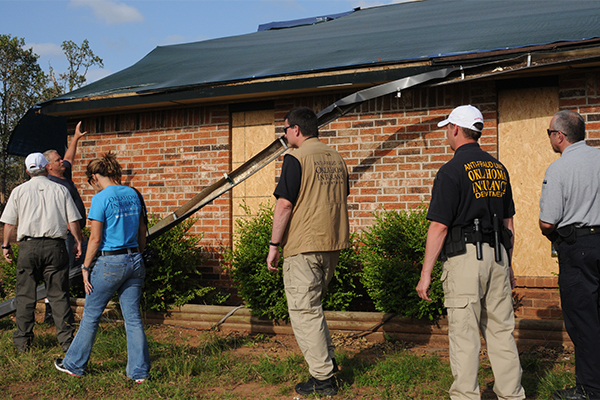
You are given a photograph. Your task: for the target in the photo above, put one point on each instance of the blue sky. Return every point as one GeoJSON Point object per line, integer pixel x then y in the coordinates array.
{"type": "Point", "coordinates": [123, 32]}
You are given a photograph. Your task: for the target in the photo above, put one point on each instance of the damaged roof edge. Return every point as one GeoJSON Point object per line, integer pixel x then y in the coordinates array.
{"type": "Point", "coordinates": [472, 68]}
{"type": "Point", "coordinates": [262, 88]}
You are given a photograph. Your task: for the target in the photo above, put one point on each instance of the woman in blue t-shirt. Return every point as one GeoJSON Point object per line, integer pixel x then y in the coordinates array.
{"type": "Point", "coordinates": [118, 235]}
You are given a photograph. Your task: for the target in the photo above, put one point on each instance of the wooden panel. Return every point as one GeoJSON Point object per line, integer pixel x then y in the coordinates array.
{"type": "Point", "coordinates": [524, 148]}
{"type": "Point", "coordinates": [252, 132]}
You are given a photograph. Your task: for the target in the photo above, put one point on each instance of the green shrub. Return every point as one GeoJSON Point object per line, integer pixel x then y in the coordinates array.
{"type": "Point", "coordinates": [174, 278]}
{"type": "Point", "coordinates": [343, 288]}
{"type": "Point", "coordinates": [263, 290]}
{"type": "Point", "coordinates": [392, 255]}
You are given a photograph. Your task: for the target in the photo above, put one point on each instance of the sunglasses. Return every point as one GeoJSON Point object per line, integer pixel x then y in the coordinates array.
{"type": "Point", "coordinates": [551, 131]}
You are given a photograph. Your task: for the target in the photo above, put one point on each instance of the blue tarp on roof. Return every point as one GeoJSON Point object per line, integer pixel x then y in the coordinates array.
{"type": "Point", "coordinates": [379, 35]}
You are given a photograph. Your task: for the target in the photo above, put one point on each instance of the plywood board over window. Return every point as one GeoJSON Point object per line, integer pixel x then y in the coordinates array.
{"type": "Point", "coordinates": [252, 132]}
{"type": "Point", "coordinates": [524, 148]}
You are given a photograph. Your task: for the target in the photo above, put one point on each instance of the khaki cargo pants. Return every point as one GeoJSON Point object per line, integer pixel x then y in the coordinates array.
{"type": "Point", "coordinates": [478, 297]}
{"type": "Point", "coordinates": [305, 277]}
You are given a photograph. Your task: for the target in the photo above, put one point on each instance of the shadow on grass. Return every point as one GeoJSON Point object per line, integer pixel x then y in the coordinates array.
{"type": "Point", "coordinates": [390, 370]}
{"type": "Point", "coordinates": [393, 371]}
{"type": "Point", "coordinates": [546, 369]}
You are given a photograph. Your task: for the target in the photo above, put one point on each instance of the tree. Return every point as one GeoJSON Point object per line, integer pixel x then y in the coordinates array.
{"type": "Point", "coordinates": [80, 59]}
{"type": "Point", "coordinates": [22, 86]}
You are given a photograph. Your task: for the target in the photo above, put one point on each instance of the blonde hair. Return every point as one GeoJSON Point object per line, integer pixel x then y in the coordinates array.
{"type": "Point", "coordinates": [107, 166]}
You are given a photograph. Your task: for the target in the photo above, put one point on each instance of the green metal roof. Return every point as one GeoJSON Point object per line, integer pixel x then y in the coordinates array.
{"type": "Point", "coordinates": [396, 33]}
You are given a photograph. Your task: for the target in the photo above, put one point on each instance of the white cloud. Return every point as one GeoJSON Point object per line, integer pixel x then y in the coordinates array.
{"type": "Point", "coordinates": [45, 49]}
{"type": "Point", "coordinates": [111, 12]}
{"type": "Point", "coordinates": [94, 75]}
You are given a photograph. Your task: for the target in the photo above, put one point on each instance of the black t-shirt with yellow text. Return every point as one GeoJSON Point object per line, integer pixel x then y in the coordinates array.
{"type": "Point", "coordinates": [471, 185]}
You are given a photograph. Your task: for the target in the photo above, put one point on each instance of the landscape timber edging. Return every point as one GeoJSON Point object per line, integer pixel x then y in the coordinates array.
{"type": "Point", "coordinates": [528, 332]}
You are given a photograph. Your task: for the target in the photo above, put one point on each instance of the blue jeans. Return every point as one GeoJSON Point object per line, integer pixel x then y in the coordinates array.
{"type": "Point", "coordinates": [123, 274]}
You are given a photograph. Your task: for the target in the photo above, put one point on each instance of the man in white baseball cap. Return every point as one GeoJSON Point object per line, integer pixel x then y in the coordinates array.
{"type": "Point", "coordinates": [35, 162]}
{"type": "Point", "coordinates": [43, 210]}
{"type": "Point", "coordinates": [471, 229]}
{"type": "Point", "coordinates": [466, 117]}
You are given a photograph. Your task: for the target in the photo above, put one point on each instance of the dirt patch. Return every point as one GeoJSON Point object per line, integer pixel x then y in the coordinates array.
{"type": "Point", "coordinates": [286, 344]}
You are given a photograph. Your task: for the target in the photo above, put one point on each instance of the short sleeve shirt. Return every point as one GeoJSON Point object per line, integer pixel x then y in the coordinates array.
{"type": "Point", "coordinates": [40, 208]}
{"type": "Point", "coordinates": [571, 188]}
{"type": "Point", "coordinates": [288, 186]}
{"type": "Point", "coordinates": [118, 208]}
{"type": "Point", "coordinates": [471, 185]}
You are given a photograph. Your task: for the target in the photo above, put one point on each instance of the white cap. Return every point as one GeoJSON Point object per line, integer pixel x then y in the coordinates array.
{"type": "Point", "coordinates": [35, 162]}
{"type": "Point", "coordinates": [464, 116]}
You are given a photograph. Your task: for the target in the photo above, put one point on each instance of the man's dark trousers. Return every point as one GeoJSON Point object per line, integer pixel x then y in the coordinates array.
{"type": "Point", "coordinates": [579, 282]}
{"type": "Point", "coordinates": [43, 259]}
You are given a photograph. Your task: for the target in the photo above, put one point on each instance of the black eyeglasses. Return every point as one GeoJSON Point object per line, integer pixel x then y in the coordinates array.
{"type": "Point", "coordinates": [551, 131]}
{"type": "Point", "coordinates": [285, 128]}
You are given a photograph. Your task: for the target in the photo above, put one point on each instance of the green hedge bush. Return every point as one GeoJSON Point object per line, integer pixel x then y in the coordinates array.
{"type": "Point", "coordinates": [174, 277]}
{"type": "Point", "coordinates": [392, 255]}
{"type": "Point", "coordinates": [263, 290]}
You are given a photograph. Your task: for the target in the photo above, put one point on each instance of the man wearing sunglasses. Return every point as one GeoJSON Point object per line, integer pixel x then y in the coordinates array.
{"type": "Point", "coordinates": [570, 218]}
{"type": "Point", "coordinates": [310, 223]}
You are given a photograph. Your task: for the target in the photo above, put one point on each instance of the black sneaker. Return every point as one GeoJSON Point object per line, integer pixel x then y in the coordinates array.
{"type": "Point", "coordinates": [328, 387]}
{"type": "Point", "coordinates": [58, 364]}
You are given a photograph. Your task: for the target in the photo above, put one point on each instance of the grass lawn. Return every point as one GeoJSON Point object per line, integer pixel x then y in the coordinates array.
{"type": "Point", "coordinates": [189, 364]}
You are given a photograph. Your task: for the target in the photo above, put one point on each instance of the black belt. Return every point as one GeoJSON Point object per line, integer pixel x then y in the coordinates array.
{"type": "Point", "coordinates": [39, 238]}
{"type": "Point", "coordinates": [118, 252]}
{"type": "Point", "coordinates": [587, 230]}
{"type": "Point", "coordinates": [485, 238]}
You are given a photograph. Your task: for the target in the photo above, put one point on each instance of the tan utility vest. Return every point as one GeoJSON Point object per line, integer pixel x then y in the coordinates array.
{"type": "Point", "coordinates": [319, 220]}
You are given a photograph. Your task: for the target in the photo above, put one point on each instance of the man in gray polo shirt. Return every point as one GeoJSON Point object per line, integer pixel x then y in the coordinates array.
{"type": "Point", "coordinates": [570, 217]}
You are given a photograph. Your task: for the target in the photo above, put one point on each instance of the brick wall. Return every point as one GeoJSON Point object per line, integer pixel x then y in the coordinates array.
{"type": "Point", "coordinates": [581, 93]}
{"type": "Point", "coordinates": [169, 156]}
{"type": "Point", "coordinates": [537, 297]}
{"type": "Point", "coordinates": [392, 147]}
